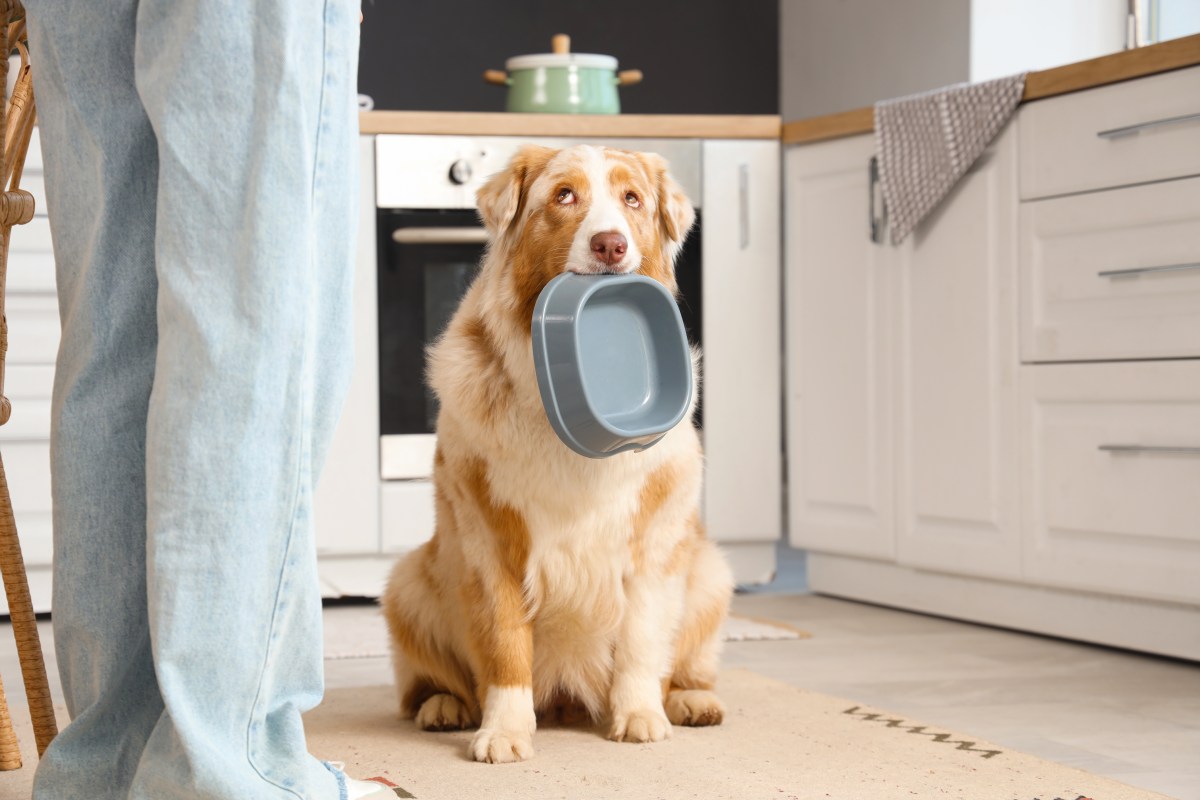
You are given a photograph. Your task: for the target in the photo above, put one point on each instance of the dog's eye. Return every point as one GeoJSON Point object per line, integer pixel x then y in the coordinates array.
{"type": "Point", "coordinates": [566, 197]}
{"type": "Point", "coordinates": [632, 200]}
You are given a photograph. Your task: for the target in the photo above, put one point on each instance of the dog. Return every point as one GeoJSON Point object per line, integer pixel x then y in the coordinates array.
{"type": "Point", "coordinates": [556, 586]}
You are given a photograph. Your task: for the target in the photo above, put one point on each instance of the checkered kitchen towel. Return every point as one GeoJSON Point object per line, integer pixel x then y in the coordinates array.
{"type": "Point", "coordinates": [926, 142]}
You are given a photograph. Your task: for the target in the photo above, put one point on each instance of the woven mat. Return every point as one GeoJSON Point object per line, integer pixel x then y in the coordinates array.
{"type": "Point", "coordinates": [777, 742]}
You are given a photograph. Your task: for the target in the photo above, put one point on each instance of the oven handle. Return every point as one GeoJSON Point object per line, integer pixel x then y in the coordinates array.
{"type": "Point", "coordinates": [440, 236]}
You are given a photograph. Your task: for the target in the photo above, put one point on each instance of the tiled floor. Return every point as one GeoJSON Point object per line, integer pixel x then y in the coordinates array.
{"type": "Point", "coordinates": [1132, 717]}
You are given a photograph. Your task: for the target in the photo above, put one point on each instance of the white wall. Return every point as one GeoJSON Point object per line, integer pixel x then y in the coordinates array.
{"type": "Point", "coordinates": [1010, 36]}
{"type": "Point", "coordinates": [837, 55]}
{"type": "Point", "coordinates": [1178, 18]}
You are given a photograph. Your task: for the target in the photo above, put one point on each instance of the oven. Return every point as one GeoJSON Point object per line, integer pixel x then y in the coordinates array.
{"type": "Point", "coordinates": [430, 243]}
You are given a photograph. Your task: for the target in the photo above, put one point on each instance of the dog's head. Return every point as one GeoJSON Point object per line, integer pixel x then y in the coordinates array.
{"type": "Point", "coordinates": [586, 210]}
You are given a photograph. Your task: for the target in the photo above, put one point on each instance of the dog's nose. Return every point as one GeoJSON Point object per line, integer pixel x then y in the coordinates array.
{"type": "Point", "coordinates": [609, 247]}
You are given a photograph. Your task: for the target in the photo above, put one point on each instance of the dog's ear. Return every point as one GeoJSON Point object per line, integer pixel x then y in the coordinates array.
{"type": "Point", "coordinates": [675, 213]}
{"type": "Point", "coordinates": [501, 198]}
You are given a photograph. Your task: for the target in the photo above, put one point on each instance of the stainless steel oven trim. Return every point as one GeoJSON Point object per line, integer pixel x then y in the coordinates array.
{"type": "Point", "coordinates": [477, 235]}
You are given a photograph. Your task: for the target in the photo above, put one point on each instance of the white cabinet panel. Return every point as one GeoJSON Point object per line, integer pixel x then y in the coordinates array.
{"type": "Point", "coordinates": [743, 481]}
{"type": "Point", "coordinates": [1126, 133]}
{"type": "Point", "coordinates": [839, 353]}
{"type": "Point", "coordinates": [35, 531]}
{"type": "Point", "coordinates": [1074, 307]}
{"type": "Point", "coordinates": [1113, 520]}
{"type": "Point", "coordinates": [31, 258]}
{"type": "Point", "coordinates": [346, 506]}
{"type": "Point", "coordinates": [33, 329]}
{"type": "Point", "coordinates": [27, 467]}
{"type": "Point", "coordinates": [958, 507]}
{"type": "Point", "coordinates": [408, 515]}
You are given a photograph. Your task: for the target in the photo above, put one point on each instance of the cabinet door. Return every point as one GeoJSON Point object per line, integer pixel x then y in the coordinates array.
{"type": "Point", "coordinates": [838, 296]}
{"type": "Point", "coordinates": [346, 507]}
{"type": "Point", "coordinates": [1111, 472]}
{"type": "Point", "coordinates": [743, 494]}
{"type": "Point", "coordinates": [957, 367]}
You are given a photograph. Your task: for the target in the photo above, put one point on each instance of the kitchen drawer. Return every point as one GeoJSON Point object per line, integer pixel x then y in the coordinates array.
{"type": "Point", "coordinates": [1110, 507]}
{"type": "Point", "coordinates": [1132, 132]}
{"type": "Point", "coordinates": [1073, 308]}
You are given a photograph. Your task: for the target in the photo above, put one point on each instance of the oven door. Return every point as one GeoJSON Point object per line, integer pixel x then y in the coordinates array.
{"type": "Point", "coordinates": [427, 259]}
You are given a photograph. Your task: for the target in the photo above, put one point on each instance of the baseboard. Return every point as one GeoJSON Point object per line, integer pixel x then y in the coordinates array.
{"type": "Point", "coordinates": [753, 563]}
{"type": "Point", "coordinates": [365, 576]}
{"type": "Point", "coordinates": [1149, 626]}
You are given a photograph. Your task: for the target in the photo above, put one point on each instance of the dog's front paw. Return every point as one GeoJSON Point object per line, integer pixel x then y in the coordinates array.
{"type": "Point", "coordinates": [501, 747]}
{"type": "Point", "coordinates": [646, 725]}
{"type": "Point", "coordinates": [694, 707]}
{"type": "Point", "coordinates": [443, 712]}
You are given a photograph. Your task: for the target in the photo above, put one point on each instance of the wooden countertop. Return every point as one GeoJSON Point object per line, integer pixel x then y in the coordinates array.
{"type": "Point", "coordinates": [642, 126]}
{"type": "Point", "coordinates": [1138, 63]}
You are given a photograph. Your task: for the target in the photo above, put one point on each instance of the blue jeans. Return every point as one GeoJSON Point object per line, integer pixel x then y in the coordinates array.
{"type": "Point", "coordinates": [200, 165]}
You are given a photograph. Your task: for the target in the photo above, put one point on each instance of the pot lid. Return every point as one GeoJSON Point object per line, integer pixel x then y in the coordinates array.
{"type": "Point", "coordinates": [561, 57]}
{"type": "Point", "coordinates": [582, 60]}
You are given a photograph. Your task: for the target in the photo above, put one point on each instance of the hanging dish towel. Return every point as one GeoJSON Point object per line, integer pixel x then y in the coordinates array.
{"type": "Point", "coordinates": [926, 142]}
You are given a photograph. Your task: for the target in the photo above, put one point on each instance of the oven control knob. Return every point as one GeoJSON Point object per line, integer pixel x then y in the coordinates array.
{"type": "Point", "coordinates": [460, 172]}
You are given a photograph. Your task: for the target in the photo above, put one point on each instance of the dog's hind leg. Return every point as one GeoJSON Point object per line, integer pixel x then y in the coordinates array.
{"type": "Point", "coordinates": [688, 695]}
{"type": "Point", "coordinates": [434, 685]}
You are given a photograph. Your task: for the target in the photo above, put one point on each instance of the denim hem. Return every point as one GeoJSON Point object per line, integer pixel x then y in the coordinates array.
{"type": "Point", "coordinates": [343, 792]}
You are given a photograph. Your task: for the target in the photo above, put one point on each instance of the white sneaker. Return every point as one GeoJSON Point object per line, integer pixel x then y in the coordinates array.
{"type": "Point", "coordinates": [364, 790]}
{"type": "Point", "coordinates": [368, 790]}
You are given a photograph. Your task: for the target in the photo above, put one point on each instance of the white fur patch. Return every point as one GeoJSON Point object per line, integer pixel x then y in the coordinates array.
{"type": "Point", "coordinates": [605, 214]}
{"type": "Point", "coordinates": [508, 724]}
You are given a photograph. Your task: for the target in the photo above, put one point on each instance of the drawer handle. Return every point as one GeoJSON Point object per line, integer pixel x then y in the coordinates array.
{"type": "Point", "coordinates": [1142, 448]}
{"type": "Point", "coordinates": [1129, 130]}
{"type": "Point", "coordinates": [440, 236]}
{"type": "Point", "coordinates": [1126, 273]}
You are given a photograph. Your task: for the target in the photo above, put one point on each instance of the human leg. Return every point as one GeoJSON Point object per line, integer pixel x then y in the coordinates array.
{"type": "Point", "coordinates": [253, 107]}
{"type": "Point", "coordinates": [250, 223]}
{"type": "Point", "coordinates": [101, 170]}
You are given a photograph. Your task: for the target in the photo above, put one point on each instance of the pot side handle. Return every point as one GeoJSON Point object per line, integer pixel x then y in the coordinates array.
{"type": "Point", "coordinates": [628, 77]}
{"type": "Point", "coordinates": [496, 76]}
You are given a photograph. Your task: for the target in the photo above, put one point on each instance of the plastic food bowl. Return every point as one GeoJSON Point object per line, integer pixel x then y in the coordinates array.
{"type": "Point", "coordinates": [613, 364]}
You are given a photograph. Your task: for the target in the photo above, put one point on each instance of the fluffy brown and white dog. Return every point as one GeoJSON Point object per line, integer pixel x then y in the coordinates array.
{"type": "Point", "coordinates": [556, 585]}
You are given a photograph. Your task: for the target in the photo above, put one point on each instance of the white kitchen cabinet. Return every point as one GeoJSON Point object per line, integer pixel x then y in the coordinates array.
{"type": "Point", "coordinates": [1112, 274]}
{"type": "Point", "coordinates": [33, 333]}
{"type": "Point", "coordinates": [839, 366]}
{"type": "Point", "coordinates": [1113, 469]}
{"type": "Point", "coordinates": [901, 366]}
{"type": "Point", "coordinates": [742, 385]}
{"type": "Point", "coordinates": [346, 506]}
{"type": "Point", "coordinates": [956, 366]}
{"type": "Point", "coordinates": [1119, 135]}
{"type": "Point", "coordinates": [1052, 497]}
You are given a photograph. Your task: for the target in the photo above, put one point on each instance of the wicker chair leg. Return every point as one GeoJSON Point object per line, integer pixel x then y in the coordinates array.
{"type": "Point", "coordinates": [10, 751]}
{"type": "Point", "coordinates": [20, 609]}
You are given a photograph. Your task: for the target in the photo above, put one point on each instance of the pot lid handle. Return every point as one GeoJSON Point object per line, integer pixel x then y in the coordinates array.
{"type": "Point", "coordinates": [560, 44]}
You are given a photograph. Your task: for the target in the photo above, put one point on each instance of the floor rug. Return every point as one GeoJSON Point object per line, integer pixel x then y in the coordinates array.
{"type": "Point", "coordinates": [777, 742]}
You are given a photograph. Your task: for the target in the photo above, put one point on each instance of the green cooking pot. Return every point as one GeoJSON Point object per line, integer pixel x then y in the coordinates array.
{"type": "Point", "coordinates": [563, 82]}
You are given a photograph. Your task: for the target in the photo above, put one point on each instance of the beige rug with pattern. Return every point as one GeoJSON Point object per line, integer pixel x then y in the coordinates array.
{"type": "Point", "coordinates": [777, 743]}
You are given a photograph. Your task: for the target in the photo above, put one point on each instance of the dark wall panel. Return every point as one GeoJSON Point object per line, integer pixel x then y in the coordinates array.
{"type": "Point", "coordinates": [699, 56]}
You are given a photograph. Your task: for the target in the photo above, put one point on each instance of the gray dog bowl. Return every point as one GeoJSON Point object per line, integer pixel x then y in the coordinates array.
{"type": "Point", "coordinates": [612, 359]}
